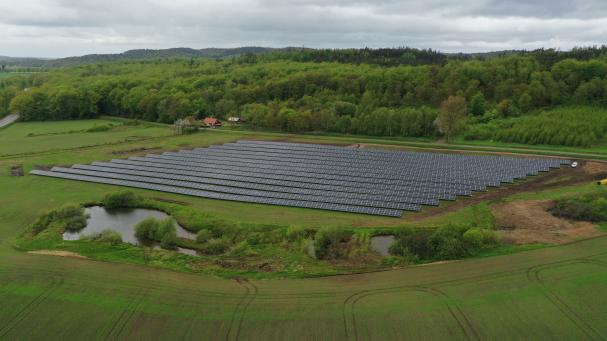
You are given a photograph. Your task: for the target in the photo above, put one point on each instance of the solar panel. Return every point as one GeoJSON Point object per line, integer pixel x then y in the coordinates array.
{"type": "Point", "coordinates": [368, 181]}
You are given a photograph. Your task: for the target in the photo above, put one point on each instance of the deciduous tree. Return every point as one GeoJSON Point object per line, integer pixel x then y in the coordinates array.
{"type": "Point", "coordinates": [452, 116]}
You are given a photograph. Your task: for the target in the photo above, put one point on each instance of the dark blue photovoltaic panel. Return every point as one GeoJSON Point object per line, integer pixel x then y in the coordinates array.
{"type": "Point", "coordinates": [357, 180]}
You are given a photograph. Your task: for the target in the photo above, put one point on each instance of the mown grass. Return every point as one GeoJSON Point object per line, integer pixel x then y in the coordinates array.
{"type": "Point", "coordinates": [30, 137]}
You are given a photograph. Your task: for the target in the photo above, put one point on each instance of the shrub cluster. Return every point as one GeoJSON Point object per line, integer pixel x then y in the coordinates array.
{"type": "Point", "coordinates": [589, 207]}
{"type": "Point", "coordinates": [67, 218]}
{"type": "Point", "coordinates": [122, 199]}
{"type": "Point", "coordinates": [330, 242]}
{"type": "Point", "coordinates": [163, 231]}
{"type": "Point", "coordinates": [449, 242]}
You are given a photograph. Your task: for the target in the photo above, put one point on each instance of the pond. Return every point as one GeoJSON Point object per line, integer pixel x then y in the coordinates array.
{"type": "Point", "coordinates": [123, 220]}
{"type": "Point", "coordinates": [382, 244]}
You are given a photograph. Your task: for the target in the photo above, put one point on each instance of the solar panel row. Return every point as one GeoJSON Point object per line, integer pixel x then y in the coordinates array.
{"type": "Point", "coordinates": [368, 181]}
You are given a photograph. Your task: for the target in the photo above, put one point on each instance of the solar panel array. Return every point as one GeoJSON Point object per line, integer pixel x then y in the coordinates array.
{"type": "Point", "coordinates": [369, 181]}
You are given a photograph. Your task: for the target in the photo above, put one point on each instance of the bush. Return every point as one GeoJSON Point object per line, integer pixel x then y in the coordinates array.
{"type": "Point", "coordinates": [147, 229]}
{"type": "Point", "coordinates": [409, 242]}
{"type": "Point", "coordinates": [108, 236]}
{"type": "Point", "coordinates": [476, 239]}
{"type": "Point", "coordinates": [75, 223]}
{"type": "Point", "coordinates": [223, 229]}
{"type": "Point", "coordinates": [123, 199]}
{"type": "Point", "coordinates": [329, 243]}
{"type": "Point", "coordinates": [69, 211]}
{"type": "Point", "coordinates": [72, 217]}
{"type": "Point", "coordinates": [589, 207]}
{"type": "Point", "coordinates": [69, 217]}
{"type": "Point", "coordinates": [167, 234]}
{"type": "Point", "coordinates": [295, 233]}
{"type": "Point", "coordinates": [215, 247]}
{"type": "Point", "coordinates": [449, 242]}
{"type": "Point", "coordinates": [168, 241]}
{"type": "Point", "coordinates": [43, 221]}
{"type": "Point", "coordinates": [203, 236]}
{"type": "Point", "coordinates": [163, 231]}
{"type": "Point", "coordinates": [166, 227]}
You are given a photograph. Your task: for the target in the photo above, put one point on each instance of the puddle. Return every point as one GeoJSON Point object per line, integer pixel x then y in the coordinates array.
{"type": "Point", "coordinates": [381, 244]}
{"type": "Point", "coordinates": [124, 220]}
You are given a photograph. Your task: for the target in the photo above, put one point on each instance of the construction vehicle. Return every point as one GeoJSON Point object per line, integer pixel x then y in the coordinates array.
{"type": "Point", "coordinates": [602, 182]}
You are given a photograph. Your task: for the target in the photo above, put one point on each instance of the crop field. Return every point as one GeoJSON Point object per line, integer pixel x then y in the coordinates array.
{"type": "Point", "coordinates": [554, 293]}
{"type": "Point", "coordinates": [548, 293]}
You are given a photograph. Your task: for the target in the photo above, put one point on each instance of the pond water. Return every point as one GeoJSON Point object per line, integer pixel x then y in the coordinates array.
{"type": "Point", "coordinates": [382, 244]}
{"type": "Point", "coordinates": [123, 220]}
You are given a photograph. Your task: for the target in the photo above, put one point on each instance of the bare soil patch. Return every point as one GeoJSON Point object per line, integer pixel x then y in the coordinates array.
{"type": "Point", "coordinates": [58, 253]}
{"type": "Point", "coordinates": [597, 169]}
{"type": "Point", "coordinates": [525, 222]}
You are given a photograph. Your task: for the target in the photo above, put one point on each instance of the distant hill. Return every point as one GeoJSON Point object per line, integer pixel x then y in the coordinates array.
{"type": "Point", "coordinates": [379, 56]}
{"type": "Point", "coordinates": [13, 62]}
{"type": "Point", "coordinates": [182, 52]}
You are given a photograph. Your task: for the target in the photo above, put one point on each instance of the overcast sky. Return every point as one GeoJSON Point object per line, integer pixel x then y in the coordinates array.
{"type": "Point", "coordinates": [59, 28]}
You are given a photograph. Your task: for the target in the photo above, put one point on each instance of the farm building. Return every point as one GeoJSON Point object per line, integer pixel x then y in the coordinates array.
{"type": "Point", "coordinates": [211, 122]}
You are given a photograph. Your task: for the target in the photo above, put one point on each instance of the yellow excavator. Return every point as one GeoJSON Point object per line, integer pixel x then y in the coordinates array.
{"type": "Point", "coordinates": [602, 182]}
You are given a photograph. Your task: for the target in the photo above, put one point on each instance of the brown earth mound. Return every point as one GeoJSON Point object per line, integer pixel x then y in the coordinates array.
{"type": "Point", "coordinates": [524, 222]}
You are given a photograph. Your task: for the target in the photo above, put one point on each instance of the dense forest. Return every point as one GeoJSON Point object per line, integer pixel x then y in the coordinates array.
{"type": "Point", "coordinates": [384, 92]}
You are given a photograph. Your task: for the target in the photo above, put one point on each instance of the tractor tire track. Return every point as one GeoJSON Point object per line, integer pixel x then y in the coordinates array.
{"type": "Point", "coordinates": [463, 319]}
{"type": "Point", "coordinates": [246, 306]}
{"type": "Point", "coordinates": [350, 322]}
{"type": "Point", "coordinates": [242, 301]}
{"type": "Point", "coordinates": [350, 332]}
{"type": "Point", "coordinates": [125, 317]}
{"type": "Point", "coordinates": [533, 275]}
{"type": "Point", "coordinates": [56, 282]}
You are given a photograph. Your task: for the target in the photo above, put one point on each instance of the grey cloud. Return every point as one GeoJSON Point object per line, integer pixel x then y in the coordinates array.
{"type": "Point", "coordinates": [70, 27]}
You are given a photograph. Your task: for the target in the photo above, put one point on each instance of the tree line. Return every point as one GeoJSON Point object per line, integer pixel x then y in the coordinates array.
{"type": "Point", "coordinates": [283, 93]}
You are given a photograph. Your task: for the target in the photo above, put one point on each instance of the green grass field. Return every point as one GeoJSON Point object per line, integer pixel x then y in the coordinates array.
{"type": "Point", "coordinates": [548, 293]}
